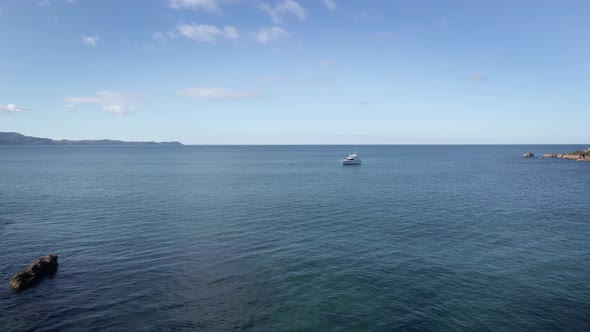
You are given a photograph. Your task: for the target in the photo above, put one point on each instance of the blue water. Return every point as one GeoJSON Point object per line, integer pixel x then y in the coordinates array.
{"type": "Point", "coordinates": [283, 238]}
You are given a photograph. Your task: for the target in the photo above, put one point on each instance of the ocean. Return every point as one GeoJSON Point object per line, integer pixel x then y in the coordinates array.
{"type": "Point", "coordinates": [284, 238]}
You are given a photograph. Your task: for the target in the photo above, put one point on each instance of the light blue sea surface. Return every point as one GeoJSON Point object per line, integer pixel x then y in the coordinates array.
{"type": "Point", "coordinates": [283, 238]}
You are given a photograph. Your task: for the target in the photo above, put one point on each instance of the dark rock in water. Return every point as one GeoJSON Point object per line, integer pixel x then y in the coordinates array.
{"type": "Point", "coordinates": [42, 266]}
{"type": "Point", "coordinates": [528, 155]}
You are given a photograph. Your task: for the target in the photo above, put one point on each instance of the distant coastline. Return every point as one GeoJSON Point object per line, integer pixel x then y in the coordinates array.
{"type": "Point", "coordinates": [11, 138]}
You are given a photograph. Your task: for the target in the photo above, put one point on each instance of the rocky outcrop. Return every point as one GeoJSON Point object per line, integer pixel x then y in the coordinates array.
{"type": "Point", "coordinates": [41, 267]}
{"type": "Point", "coordinates": [528, 155]}
{"type": "Point", "coordinates": [576, 155]}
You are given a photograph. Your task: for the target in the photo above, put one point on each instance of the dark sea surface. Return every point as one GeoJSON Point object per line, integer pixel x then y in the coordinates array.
{"type": "Point", "coordinates": [283, 238]}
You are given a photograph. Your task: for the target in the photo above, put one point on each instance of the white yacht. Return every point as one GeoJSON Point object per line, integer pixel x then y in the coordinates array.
{"type": "Point", "coordinates": [352, 159]}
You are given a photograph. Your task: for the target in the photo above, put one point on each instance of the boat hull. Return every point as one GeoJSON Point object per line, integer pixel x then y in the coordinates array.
{"type": "Point", "coordinates": [350, 162]}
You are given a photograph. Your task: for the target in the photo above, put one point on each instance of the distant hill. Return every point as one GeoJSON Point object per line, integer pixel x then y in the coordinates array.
{"type": "Point", "coordinates": [19, 139]}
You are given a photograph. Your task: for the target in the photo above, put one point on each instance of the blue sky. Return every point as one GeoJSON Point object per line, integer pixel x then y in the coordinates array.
{"type": "Point", "coordinates": [297, 72]}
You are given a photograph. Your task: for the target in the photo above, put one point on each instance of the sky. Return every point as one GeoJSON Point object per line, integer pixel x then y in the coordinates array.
{"type": "Point", "coordinates": [297, 71]}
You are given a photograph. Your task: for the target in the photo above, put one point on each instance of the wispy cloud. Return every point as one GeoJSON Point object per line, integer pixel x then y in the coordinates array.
{"type": "Point", "coordinates": [476, 77]}
{"type": "Point", "coordinates": [159, 37]}
{"type": "Point", "coordinates": [384, 35]}
{"type": "Point", "coordinates": [282, 8]}
{"type": "Point", "coordinates": [416, 28]}
{"type": "Point", "coordinates": [12, 108]}
{"type": "Point", "coordinates": [326, 62]}
{"type": "Point", "coordinates": [206, 33]}
{"type": "Point", "coordinates": [204, 5]}
{"type": "Point", "coordinates": [267, 35]}
{"type": "Point", "coordinates": [90, 40]}
{"type": "Point", "coordinates": [268, 78]}
{"type": "Point", "coordinates": [120, 109]}
{"type": "Point", "coordinates": [330, 4]}
{"type": "Point", "coordinates": [213, 93]}
{"type": "Point", "coordinates": [363, 14]}
{"type": "Point", "coordinates": [116, 102]}
{"type": "Point", "coordinates": [43, 3]}
{"type": "Point", "coordinates": [103, 97]}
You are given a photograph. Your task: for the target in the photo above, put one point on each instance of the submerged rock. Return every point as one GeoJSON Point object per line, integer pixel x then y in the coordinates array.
{"type": "Point", "coordinates": [40, 267]}
{"type": "Point", "coordinates": [528, 155]}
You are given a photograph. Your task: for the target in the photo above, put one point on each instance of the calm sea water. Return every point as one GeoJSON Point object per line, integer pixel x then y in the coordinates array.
{"type": "Point", "coordinates": [283, 238]}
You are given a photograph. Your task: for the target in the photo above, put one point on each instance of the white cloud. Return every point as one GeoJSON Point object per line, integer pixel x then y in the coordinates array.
{"type": "Point", "coordinates": [204, 5]}
{"type": "Point", "coordinates": [267, 35]}
{"type": "Point", "coordinates": [12, 108]}
{"type": "Point", "coordinates": [120, 109]}
{"type": "Point", "coordinates": [326, 62]}
{"type": "Point", "coordinates": [116, 102]}
{"type": "Point", "coordinates": [90, 40]}
{"type": "Point", "coordinates": [331, 4]}
{"type": "Point", "coordinates": [207, 33]}
{"type": "Point", "coordinates": [476, 77]}
{"type": "Point", "coordinates": [217, 94]}
{"type": "Point", "coordinates": [283, 7]}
